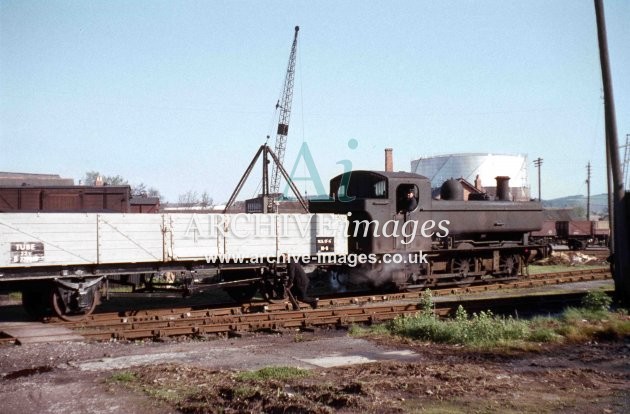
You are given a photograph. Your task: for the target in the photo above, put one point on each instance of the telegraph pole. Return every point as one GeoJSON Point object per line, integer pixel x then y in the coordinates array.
{"type": "Point", "coordinates": [588, 191]}
{"type": "Point", "coordinates": [626, 162]}
{"type": "Point", "coordinates": [621, 261]}
{"type": "Point", "coordinates": [538, 162]}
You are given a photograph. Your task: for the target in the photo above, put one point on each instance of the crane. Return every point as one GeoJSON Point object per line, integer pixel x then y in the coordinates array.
{"type": "Point", "coordinates": [284, 105]}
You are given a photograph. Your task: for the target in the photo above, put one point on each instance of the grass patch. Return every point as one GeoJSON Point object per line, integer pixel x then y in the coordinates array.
{"type": "Point", "coordinates": [176, 395]}
{"type": "Point", "coordinates": [577, 315]}
{"type": "Point", "coordinates": [378, 329]}
{"type": "Point", "coordinates": [480, 330]}
{"type": "Point", "coordinates": [272, 373]}
{"type": "Point", "coordinates": [123, 376]}
{"type": "Point", "coordinates": [192, 389]}
{"type": "Point", "coordinates": [538, 269]}
{"type": "Point", "coordinates": [484, 330]}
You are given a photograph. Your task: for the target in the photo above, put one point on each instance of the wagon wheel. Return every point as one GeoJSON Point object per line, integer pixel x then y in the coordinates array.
{"type": "Point", "coordinates": [242, 294]}
{"type": "Point", "coordinates": [463, 266]}
{"type": "Point", "coordinates": [272, 289]}
{"type": "Point", "coordinates": [69, 306]}
{"type": "Point", "coordinates": [149, 281]}
{"type": "Point", "coordinates": [273, 285]}
{"type": "Point", "coordinates": [510, 264]}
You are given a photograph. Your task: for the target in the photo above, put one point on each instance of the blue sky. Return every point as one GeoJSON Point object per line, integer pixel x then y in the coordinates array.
{"type": "Point", "coordinates": [180, 94]}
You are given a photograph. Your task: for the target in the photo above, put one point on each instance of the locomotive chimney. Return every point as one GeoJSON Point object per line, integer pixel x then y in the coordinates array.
{"type": "Point", "coordinates": [503, 188]}
{"type": "Point", "coordinates": [389, 160]}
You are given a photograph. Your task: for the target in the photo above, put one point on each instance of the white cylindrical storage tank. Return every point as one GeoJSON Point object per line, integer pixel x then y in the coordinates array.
{"type": "Point", "coordinates": [481, 167]}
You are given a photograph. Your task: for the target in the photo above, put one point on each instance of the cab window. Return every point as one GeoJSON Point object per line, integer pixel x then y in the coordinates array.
{"type": "Point", "coordinates": [406, 198]}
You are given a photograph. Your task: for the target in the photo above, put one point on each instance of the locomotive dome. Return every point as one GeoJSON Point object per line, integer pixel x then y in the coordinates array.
{"type": "Point", "coordinates": [477, 168]}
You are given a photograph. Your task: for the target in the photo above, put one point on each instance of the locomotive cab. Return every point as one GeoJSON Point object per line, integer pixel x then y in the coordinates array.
{"type": "Point", "coordinates": [381, 208]}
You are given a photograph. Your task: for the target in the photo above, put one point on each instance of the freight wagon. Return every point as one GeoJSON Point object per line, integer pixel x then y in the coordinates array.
{"type": "Point", "coordinates": [69, 257]}
{"type": "Point", "coordinates": [576, 234]}
{"type": "Point", "coordinates": [75, 198]}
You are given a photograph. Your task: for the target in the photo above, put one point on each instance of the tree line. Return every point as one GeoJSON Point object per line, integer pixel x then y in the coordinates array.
{"type": "Point", "coordinates": [188, 199]}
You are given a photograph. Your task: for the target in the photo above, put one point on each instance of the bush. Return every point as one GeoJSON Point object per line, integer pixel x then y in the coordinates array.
{"type": "Point", "coordinates": [596, 300]}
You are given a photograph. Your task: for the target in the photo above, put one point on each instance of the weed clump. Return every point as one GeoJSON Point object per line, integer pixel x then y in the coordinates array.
{"type": "Point", "coordinates": [123, 376]}
{"type": "Point", "coordinates": [592, 320]}
{"type": "Point", "coordinates": [273, 373]}
{"type": "Point", "coordinates": [481, 329]}
{"type": "Point", "coordinates": [596, 300]}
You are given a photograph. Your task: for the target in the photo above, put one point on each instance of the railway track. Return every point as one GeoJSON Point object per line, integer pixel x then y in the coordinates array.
{"type": "Point", "coordinates": [336, 311]}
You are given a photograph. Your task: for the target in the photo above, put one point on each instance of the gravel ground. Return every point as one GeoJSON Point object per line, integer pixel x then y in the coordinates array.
{"type": "Point", "coordinates": [393, 376]}
{"type": "Point", "coordinates": [348, 375]}
{"type": "Point", "coordinates": [71, 376]}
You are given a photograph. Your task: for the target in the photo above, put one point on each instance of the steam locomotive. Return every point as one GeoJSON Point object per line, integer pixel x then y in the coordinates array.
{"type": "Point", "coordinates": [460, 240]}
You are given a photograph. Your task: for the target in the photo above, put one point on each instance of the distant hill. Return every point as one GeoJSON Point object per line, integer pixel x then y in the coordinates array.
{"type": "Point", "coordinates": [599, 202]}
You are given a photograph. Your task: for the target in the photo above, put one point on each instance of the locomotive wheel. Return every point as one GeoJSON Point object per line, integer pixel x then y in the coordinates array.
{"type": "Point", "coordinates": [421, 279]}
{"type": "Point", "coordinates": [66, 307]}
{"type": "Point", "coordinates": [510, 264]}
{"type": "Point", "coordinates": [36, 302]}
{"type": "Point", "coordinates": [463, 265]}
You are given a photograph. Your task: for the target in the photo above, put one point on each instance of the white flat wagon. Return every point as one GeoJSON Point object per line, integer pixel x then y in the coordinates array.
{"type": "Point", "coordinates": [72, 254]}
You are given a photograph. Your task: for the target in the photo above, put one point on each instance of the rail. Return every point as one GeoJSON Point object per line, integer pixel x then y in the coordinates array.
{"type": "Point", "coordinates": [276, 316]}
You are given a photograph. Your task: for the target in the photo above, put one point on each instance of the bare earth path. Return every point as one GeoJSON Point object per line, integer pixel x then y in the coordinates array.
{"type": "Point", "coordinates": [348, 374]}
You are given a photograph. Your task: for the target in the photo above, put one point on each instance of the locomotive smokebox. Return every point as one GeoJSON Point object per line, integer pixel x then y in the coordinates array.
{"type": "Point", "coordinates": [503, 188]}
{"type": "Point", "coordinates": [452, 190]}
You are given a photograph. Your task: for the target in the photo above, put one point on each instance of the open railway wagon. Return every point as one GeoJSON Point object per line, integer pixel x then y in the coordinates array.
{"type": "Point", "coordinates": [62, 261]}
{"type": "Point", "coordinates": [576, 234]}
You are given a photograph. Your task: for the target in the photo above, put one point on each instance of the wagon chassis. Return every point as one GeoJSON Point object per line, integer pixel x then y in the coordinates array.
{"type": "Point", "coordinates": [72, 293]}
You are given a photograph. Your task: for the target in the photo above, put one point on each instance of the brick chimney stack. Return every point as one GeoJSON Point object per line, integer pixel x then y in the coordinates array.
{"type": "Point", "coordinates": [389, 160]}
